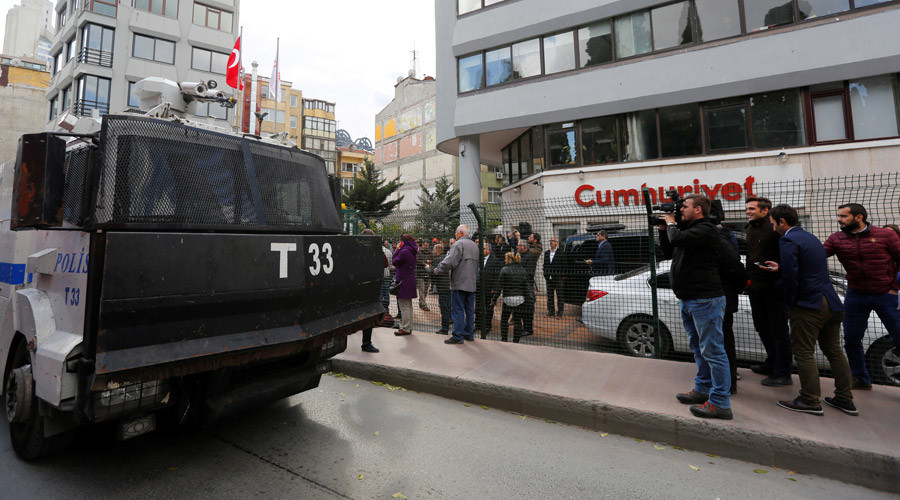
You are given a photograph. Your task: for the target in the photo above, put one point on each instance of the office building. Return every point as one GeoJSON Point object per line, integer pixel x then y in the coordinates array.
{"type": "Point", "coordinates": [26, 24]}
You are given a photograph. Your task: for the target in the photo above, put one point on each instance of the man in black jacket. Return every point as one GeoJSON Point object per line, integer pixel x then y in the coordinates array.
{"type": "Point", "coordinates": [553, 265]}
{"type": "Point", "coordinates": [767, 295]}
{"type": "Point", "coordinates": [694, 274]}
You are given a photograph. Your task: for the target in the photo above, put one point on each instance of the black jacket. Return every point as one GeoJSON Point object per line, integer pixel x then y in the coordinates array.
{"type": "Point", "coordinates": [731, 272]}
{"type": "Point", "coordinates": [513, 282]}
{"type": "Point", "coordinates": [554, 270]}
{"type": "Point", "coordinates": [529, 264]}
{"type": "Point", "coordinates": [441, 281]}
{"type": "Point", "coordinates": [695, 259]}
{"type": "Point", "coordinates": [762, 245]}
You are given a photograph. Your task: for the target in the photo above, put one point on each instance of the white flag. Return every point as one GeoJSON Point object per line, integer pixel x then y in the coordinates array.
{"type": "Point", "coordinates": [275, 80]}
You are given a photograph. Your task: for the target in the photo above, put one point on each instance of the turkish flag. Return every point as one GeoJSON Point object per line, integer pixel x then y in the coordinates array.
{"type": "Point", "coordinates": [233, 72]}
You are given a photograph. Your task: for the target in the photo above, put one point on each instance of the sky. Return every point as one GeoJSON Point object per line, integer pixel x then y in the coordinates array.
{"type": "Point", "coordinates": [349, 52]}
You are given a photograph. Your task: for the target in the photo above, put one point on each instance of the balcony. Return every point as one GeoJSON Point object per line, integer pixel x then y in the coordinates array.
{"type": "Point", "coordinates": [85, 107]}
{"type": "Point", "coordinates": [96, 57]}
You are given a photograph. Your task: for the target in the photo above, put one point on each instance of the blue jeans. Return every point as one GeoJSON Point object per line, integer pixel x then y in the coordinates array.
{"type": "Point", "coordinates": [857, 308]}
{"type": "Point", "coordinates": [462, 308]}
{"type": "Point", "coordinates": [703, 323]}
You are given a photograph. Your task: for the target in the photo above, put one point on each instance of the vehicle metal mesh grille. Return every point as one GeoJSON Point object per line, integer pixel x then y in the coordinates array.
{"type": "Point", "coordinates": [76, 169]}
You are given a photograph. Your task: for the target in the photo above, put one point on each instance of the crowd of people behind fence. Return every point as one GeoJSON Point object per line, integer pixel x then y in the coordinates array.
{"type": "Point", "coordinates": [785, 275]}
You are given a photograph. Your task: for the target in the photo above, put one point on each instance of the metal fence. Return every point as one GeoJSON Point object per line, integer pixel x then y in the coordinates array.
{"type": "Point", "coordinates": [574, 310]}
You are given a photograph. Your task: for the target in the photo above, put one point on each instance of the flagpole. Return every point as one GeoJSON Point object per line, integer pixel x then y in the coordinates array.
{"type": "Point", "coordinates": [241, 84]}
{"type": "Point", "coordinates": [277, 78]}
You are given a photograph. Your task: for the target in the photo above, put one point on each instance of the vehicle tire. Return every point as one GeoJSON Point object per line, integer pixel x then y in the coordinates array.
{"type": "Point", "coordinates": [27, 437]}
{"type": "Point", "coordinates": [883, 361]}
{"type": "Point", "coordinates": [635, 335]}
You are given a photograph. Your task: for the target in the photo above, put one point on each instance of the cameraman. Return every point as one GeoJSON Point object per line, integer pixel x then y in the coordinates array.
{"type": "Point", "coordinates": [693, 245]}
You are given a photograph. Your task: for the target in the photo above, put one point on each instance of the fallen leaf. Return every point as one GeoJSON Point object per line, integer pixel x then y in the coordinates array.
{"type": "Point", "coordinates": [659, 447]}
{"type": "Point", "coordinates": [711, 455]}
{"type": "Point", "coordinates": [404, 390]}
{"type": "Point", "coordinates": [398, 495]}
{"type": "Point", "coordinates": [524, 417]}
{"type": "Point", "coordinates": [760, 471]}
{"type": "Point", "coordinates": [467, 405]}
{"type": "Point", "coordinates": [360, 476]}
{"type": "Point", "coordinates": [376, 433]}
{"type": "Point", "coordinates": [695, 468]}
{"type": "Point", "coordinates": [549, 421]}
{"type": "Point", "coordinates": [604, 434]}
{"type": "Point", "coordinates": [639, 440]}
{"type": "Point", "coordinates": [791, 479]}
{"type": "Point", "coordinates": [378, 383]}
{"type": "Point", "coordinates": [790, 472]}
{"type": "Point", "coordinates": [172, 468]}
{"type": "Point", "coordinates": [484, 407]}
{"type": "Point", "coordinates": [679, 448]}
{"type": "Point", "coordinates": [357, 385]}
{"type": "Point", "coordinates": [342, 394]}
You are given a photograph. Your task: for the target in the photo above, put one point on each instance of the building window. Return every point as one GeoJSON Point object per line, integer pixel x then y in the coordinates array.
{"type": "Point", "coordinates": [347, 183]}
{"type": "Point", "coordinates": [93, 94]}
{"type": "Point", "coordinates": [293, 122]}
{"type": "Point", "coordinates": [61, 19]}
{"type": "Point", "coordinates": [348, 167]}
{"type": "Point", "coordinates": [105, 7]}
{"type": "Point", "coordinates": [493, 195]}
{"type": "Point", "coordinates": [53, 102]}
{"type": "Point", "coordinates": [97, 45]}
{"type": "Point", "coordinates": [206, 60]}
{"type": "Point", "coordinates": [211, 109]}
{"type": "Point", "coordinates": [58, 62]}
{"type": "Point", "coordinates": [726, 125]}
{"type": "Point", "coordinates": [294, 101]}
{"type": "Point", "coordinates": [466, 6]}
{"type": "Point", "coordinates": [153, 49]}
{"type": "Point", "coordinates": [717, 19]}
{"type": "Point", "coordinates": [561, 139]}
{"type": "Point", "coordinates": [672, 25]}
{"type": "Point", "coordinates": [874, 107]}
{"type": "Point", "coordinates": [216, 19]}
{"type": "Point", "coordinates": [814, 8]}
{"type": "Point", "coordinates": [679, 131]}
{"type": "Point", "coordinates": [595, 44]}
{"type": "Point", "coordinates": [471, 72]}
{"type": "Point", "coordinates": [526, 59]}
{"type": "Point", "coordinates": [633, 34]}
{"type": "Point", "coordinates": [133, 101]}
{"type": "Point", "coordinates": [765, 14]}
{"type": "Point", "coordinates": [777, 119]}
{"type": "Point", "coordinates": [498, 66]}
{"type": "Point", "coordinates": [168, 8]}
{"type": "Point", "coordinates": [598, 138]}
{"type": "Point", "coordinates": [71, 49]}
{"type": "Point", "coordinates": [66, 98]}
{"type": "Point", "coordinates": [559, 52]}
{"type": "Point", "coordinates": [639, 136]}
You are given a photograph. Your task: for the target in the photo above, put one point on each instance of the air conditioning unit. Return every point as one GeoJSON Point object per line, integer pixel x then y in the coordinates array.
{"type": "Point", "coordinates": [499, 176]}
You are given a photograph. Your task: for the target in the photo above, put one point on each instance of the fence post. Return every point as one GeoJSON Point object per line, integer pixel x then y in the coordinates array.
{"type": "Point", "coordinates": [481, 300]}
{"type": "Point", "coordinates": [651, 243]}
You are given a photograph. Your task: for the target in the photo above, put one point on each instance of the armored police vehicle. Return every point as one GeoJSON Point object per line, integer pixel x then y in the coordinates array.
{"type": "Point", "coordinates": [155, 270]}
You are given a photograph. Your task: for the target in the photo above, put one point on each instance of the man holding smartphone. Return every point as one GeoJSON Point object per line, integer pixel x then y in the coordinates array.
{"type": "Point", "coordinates": [767, 295]}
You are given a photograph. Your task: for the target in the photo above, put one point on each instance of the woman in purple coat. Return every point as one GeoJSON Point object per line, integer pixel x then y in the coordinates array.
{"type": "Point", "coordinates": [405, 262]}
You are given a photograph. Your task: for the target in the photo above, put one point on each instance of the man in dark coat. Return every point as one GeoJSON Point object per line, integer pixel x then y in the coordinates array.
{"type": "Point", "coordinates": [815, 311]}
{"type": "Point", "coordinates": [490, 266]}
{"type": "Point", "coordinates": [553, 266]}
{"type": "Point", "coordinates": [604, 261]}
{"type": "Point", "coordinates": [442, 285]}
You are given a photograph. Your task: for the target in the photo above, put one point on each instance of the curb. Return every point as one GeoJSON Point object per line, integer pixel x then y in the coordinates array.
{"type": "Point", "coordinates": [871, 470]}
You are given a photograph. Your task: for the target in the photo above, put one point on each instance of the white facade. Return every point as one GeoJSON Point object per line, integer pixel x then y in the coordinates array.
{"type": "Point", "coordinates": [25, 24]}
{"type": "Point", "coordinates": [100, 49]}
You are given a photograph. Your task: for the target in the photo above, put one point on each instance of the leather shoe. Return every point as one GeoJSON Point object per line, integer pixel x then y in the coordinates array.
{"type": "Point", "coordinates": [847, 407]}
{"type": "Point", "coordinates": [369, 348]}
{"type": "Point", "coordinates": [859, 385]}
{"type": "Point", "coordinates": [776, 381]}
{"type": "Point", "coordinates": [401, 333]}
{"type": "Point", "coordinates": [761, 369]}
{"type": "Point", "coordinates": [797, 404]}
{"type": "Point", "coordinates": [470, 339]}
{"type": "Point", "coordinates": [692, 397]}
{"type": "Point", "coordinates": [454, 340]}
{"type": "Point", "coordinates": [707, 410]}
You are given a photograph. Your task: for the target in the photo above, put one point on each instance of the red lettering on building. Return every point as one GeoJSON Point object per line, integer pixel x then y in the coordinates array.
{"type": "Point", "coordinates": [581, 189]}
{"type": "Point", "coordinates": [730, 191]}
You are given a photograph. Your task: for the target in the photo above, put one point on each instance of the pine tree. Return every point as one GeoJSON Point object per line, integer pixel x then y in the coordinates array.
{"type": "Point", "coordinates": [370, 192]}
{"type": "Point", "coordinates": [438, 213]}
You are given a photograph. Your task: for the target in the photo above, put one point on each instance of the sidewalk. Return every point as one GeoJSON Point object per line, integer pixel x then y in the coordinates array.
{"type": "Point", "coordinates": [636, 397]}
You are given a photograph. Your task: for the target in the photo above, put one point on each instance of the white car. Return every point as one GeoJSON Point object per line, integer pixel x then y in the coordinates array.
{"type": "Point", "coordinates": [619, 308]}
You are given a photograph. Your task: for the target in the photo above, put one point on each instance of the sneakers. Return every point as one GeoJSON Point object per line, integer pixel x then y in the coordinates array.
{"type": "Point", "coordinates": [847, 407]}
{"type": "Point", "coordinates": [369, 348]}
{"type": "Point", "coordinates": [776, 381]}
{"type": "Point", "coordinates": [798, 405]}
{"type": "Point", "coordinates": [424, 308]}
{"type": "Point", "coordinates": [692, 398]}
{"type": "Point", "coordinates": [859, 385]}
{"type": "Point", "coordinates": [454, 340]}
{"type": "Point", "coordinates": [707, 410]}
{"type": "Point", "coordinates": [761, 369]}
{"type": "Point", "coordinates": [401, 333]}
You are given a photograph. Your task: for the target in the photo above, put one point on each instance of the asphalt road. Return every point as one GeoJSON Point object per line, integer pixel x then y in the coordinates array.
{"type": "Point", "coordinates": [353, 439]}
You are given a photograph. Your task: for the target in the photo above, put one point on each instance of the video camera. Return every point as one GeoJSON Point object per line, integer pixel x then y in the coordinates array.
{"type": "Point", "coordinates": [716, 212]}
